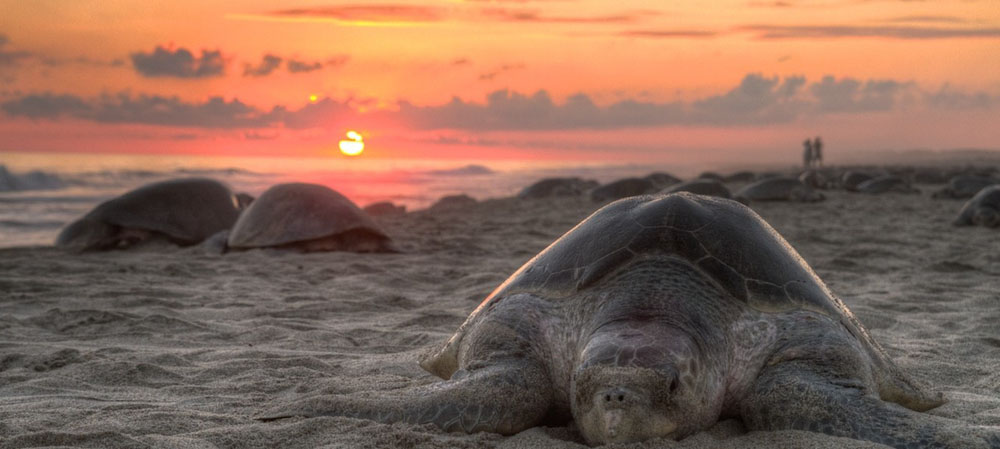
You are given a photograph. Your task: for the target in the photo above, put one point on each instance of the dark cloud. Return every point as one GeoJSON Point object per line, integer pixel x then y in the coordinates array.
{"type": "Point", "coordinates": [756, 100]}
{"type": "Point", "coordinates": [851, 95]}
{"type": "Point", "coordinates": [534, 16]}
{"type": "Point", "coordinates": [670, 34]}
{"type": "Point", "coordinates": [894, 32]}
{"type": "Point", "coordinates": [216, 112]}
{"type": "Point", "coordinates": [295, 66]}
{"type": "Point", "coordinates": [369, 13]}
{"type": "Point", "coordinates": [10, 58]}
{"type": "Point", "coordinates": [268, 64]}
{"type": "Point", "coordinates": [928, 19]}
{"type": "Point", "coordinates": [489, 76]}
{"type": "Point", "coordinates": [271, 62]}
{"type": "Point", "coordinates": [180, 63]}
{"type": "Point", "coordinates": [461, 61]}
{"type": "Point", "coordinates": [47, 106]}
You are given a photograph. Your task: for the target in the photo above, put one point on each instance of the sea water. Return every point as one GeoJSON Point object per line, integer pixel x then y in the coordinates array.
{"type": "Point", "coordinates": [42, 192]}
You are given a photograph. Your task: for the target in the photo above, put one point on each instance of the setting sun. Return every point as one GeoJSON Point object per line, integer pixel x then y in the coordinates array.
{"type": "Point", "coordinates": [354, 146]}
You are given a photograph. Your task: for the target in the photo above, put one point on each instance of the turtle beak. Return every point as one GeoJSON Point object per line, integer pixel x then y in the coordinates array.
{"type": "Point", "coordinates": [612, 423]}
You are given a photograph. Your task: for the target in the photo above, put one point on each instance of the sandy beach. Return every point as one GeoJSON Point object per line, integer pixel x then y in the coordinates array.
{"type": "Point", "coordinates": [181, 348]}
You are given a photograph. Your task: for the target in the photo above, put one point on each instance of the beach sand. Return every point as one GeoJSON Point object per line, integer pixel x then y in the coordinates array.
{"type": "Point", "coordinates": [168, 347]}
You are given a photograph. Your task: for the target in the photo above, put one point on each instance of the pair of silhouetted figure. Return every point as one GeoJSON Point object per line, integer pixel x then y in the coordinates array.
{"type": "Point", "coordinates": [812, 156]}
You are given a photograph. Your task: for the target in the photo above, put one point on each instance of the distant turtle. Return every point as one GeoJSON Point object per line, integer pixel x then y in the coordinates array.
{"type": "Point", "coordinates": [623, 188]}
{"type": "Point", "coordinates": [701, 186]}
{"type": "Point", "coordinates": [965, 186]}
{"type": "Point", "coordinates": [453, 202]}
{"type": "Point", "coordinates": [658, 316]}
{"type": "Point", "coordinates": [382, 208]}
{"type": "Point", "coordinates": [307, 217]}
{"type": "Point", "coordinates": [711, 175]}
{"type": "Point", "coordinates": [661, 179]}
{"type": "Point", "coordinates": [851, 179]}
{"type": "Point", "coordinates": [741, 176]}
{"type": "Point", "coordinates": [814, 179]}
{"type": "Point", "coordinates": [550, 187]}
{"type": "Point", "coordinates": [181, 211]}
{"type": "Point", "coordinates": [887, 183]}
{"type": "Point", "coordinates": [982, 210]}
{"type": "Point", "coordinates": [779, 189]}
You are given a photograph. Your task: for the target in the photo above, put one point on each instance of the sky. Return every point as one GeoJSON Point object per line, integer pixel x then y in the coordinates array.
{"type": "Point", "coordinates": [503, 79]}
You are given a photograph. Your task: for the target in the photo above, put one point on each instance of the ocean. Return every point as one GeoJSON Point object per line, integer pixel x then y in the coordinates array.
{"type": "Point", "coordinates": [42, 192]}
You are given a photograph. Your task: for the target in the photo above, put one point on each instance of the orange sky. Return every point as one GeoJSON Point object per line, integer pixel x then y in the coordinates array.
{"type": "Point", "coordinates": [643, 79]}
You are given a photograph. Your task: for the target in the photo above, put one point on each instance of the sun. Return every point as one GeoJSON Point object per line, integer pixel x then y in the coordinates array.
{"type": "Point", "coordinates": [354, 146]}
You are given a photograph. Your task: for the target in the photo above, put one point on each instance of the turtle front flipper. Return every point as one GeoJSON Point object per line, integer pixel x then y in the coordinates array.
{"type": "Point", "coordinates": [803, 395]}
{"type": "Point", "coordinates": [505, 398]}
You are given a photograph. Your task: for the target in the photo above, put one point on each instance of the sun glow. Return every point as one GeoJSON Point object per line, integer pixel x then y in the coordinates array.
{"type": "Point", "coordinates": [354, 146]}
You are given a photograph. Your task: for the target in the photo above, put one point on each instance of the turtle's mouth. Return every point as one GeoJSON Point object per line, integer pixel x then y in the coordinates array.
{"type": "Point", "coordinates": [624, 426]}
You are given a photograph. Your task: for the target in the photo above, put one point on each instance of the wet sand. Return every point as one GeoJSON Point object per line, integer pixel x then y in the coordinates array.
{"type": "Point", "coordinates": [181, 348]}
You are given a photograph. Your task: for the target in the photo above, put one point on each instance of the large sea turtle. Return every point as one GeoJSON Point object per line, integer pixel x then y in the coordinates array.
{"type": "Point", "coordinates": [982, 210]}
{"type": "Point", "coordinates": [851, 179]}
{"type": "Point", "coordinates": [307, 217]}
{"type": "Point", "coordinates": [656, 317]}
{"type": "Point", "coordinates": [965, 186]}
{"type": "Point", "coordinates": [182, 211]}
{"type": "Point", "coordinates": [778, 189]}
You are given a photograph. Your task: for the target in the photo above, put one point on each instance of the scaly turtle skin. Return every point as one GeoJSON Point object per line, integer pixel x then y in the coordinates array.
{"type": "Point", "coordinates": [982, 210]}
{"type": "Point", "coordinates": [307, 217]}
{"type": "Point", "coordinates": [657, 316]}
{"type": "Point", "coordinates": [778, 189]}
{"type": "Point", "coordinates": [182, 211]}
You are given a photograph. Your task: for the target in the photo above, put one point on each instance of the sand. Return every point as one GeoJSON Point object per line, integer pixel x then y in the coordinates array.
{"type": "Point", "coordinates": [167, 347]}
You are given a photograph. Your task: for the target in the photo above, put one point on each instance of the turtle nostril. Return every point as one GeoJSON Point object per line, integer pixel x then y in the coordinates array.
{"type": "Point", "coordinates": [607, 398]}
{"type": "Point", "coordinates": [621, 398]}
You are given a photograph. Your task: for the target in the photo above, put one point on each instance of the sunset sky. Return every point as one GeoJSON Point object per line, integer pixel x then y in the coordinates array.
{"type": "Point", "coordinates": [537, 79]}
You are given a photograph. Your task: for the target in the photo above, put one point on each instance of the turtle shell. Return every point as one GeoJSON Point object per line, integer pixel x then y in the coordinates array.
{"type": "Point", "coordinates": [987, 198]}
{"type": "Point", "coordinates": [723, 239]}
{"type": "Point", "coordinates": [186, 210]}
{"type": "Point", "coordinates": [773, 189]}
{"type": "Point", "coordinates": [298, 212]}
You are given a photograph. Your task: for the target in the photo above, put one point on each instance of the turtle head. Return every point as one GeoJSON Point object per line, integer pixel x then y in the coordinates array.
{"type": "Point", "coordinates": [666, 393]}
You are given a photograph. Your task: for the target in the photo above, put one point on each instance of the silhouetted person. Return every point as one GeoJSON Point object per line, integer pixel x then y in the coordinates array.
{"type": "Point", "coordinates": [818, 151]}
{"type": "Point", "coordinates": [807, 153]}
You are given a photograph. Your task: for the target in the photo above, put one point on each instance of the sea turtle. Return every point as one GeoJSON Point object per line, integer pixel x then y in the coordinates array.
{"type": "Point", "coordinates": [182, 211]}
{"type": "Point", "coordinates": [778, 189]}
{"type": "Point", "coordinates": [741, 176]}
{"type": "Point", "coordinates": [453, 202]}
{"type": "Point", "coordinates": [965, 186]}
{"type": "Point", "coordinates": [557, 187]}
{"type": "Point", "coordinates": [851, 179]}
{"type": "Point", "coordinates": [657, 316]}
{"type": "Point", "coordinates": [982, 210]}
{"type": "Point", "coordinates": [307, 217]}
{"type": "Point", "coordinates": [887, 183]}
{"type": "Point", "coordinates": [701, 186]}
{"type": "Point", "coordinates": [661, 179]}
{"type": "Point", "coordinates": [383, 208]}
{"type": "Point", "coordinates": [815, 179]}
{"type": "Point", "coordinates": [711, 175]}
{"type": "Point", "coordinates": [623, 188]}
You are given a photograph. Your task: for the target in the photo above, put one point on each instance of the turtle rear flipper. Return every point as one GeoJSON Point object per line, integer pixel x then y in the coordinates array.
{"type": "Point", "coordinates": [505, 398]}
{"type": "Point", "coordinates": [802, 395]}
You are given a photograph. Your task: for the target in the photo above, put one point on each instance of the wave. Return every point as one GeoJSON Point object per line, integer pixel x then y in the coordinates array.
{"type": "Point", "coordinates": [32, 224]}
{"type": "Point", "coordinates": [33, 180]}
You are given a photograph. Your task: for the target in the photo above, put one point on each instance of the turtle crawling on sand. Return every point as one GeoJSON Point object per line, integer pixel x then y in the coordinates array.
{"type": "Point", "coordinates": [307, 217]}
{"type": "Point", "coordinates": [779, 189]}
{"type": "Point", "coordinates": [179, 211]}
{"type": "Point", "coordinates": [982, 210]}
{"type": "Point", "coordinates": [656, 317]}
